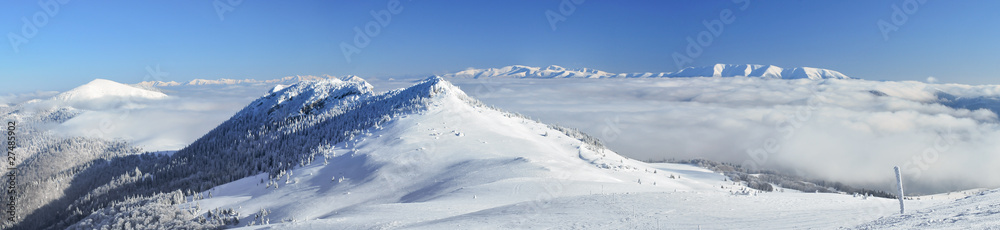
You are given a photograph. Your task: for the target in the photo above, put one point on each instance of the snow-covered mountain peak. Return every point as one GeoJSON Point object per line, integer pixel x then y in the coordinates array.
{"type": "Point", "coordinates": [436, 85]}
{"type": "Point", "coordinates": [330, 97]}
{"type": "Point", "coordinates": [353, 78]}
{"type": "Point", "coordinates": [101, 88]}
{"type": "Point", "coordinates": [308, 97]}
{"type": "Point", "coordinates": [224, 81]}
{"type": "Point", "coordinates": [717, 70]}
{"type": "Point", "coordinates": [277, 88]}
{"type": "Point", "coordinates": [555, 68]}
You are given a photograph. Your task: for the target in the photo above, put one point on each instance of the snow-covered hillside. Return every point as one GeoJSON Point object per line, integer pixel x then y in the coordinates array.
{"type": "Point", "coordinates": [717, 70]}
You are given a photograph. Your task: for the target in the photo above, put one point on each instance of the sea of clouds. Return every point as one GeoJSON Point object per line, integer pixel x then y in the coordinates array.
{"type": "Point", "coordinates": [943, 136]}
{"type": "Point", "coordinates": [153, 124]}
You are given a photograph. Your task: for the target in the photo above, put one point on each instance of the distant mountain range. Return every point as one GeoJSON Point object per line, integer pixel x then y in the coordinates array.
{"type": "Point", "coordinates": [554, 71]}
{"type": "Point", "coordinates": [717, 70]}
{"type": "Point", "coordinates": [224, 81]}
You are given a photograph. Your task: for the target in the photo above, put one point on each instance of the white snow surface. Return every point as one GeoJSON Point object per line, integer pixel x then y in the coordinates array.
{"type": "Point", "coordinates": [458, 165]}
{"type": "Point", "coordinates": [277, 88]}
{"type": "Point", "coordinates": [979, 211]}
{"type": "Point", "coordinates": [717, 70]}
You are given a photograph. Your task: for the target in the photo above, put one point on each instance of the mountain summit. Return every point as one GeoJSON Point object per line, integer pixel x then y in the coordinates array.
{"type": "Point", "coordinates": [101, 89]}
{"type": "Point", "coordinates": [717, 70]}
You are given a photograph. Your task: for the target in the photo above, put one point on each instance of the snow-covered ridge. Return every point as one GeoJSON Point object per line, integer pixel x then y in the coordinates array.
{"type": "Point", "coordinates": [225, 81]}
{"type": "Point", "coordinates": [101, 88]}
{"type": "Point", "coordinates": [307, 97]}
{"type": "Point", "coordinates": [717, 70]}
{"type": "Point", "coordinates": [308, 115]}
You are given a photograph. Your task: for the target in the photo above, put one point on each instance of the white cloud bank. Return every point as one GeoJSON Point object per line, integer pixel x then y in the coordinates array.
{"type": "Point", "coordinates": [852, 131]}
{"type": "Point", "coordinates": [164, 124]}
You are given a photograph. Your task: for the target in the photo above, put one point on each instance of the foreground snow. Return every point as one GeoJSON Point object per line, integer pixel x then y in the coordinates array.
{"type": "Point", "coordinates": [979, 211]}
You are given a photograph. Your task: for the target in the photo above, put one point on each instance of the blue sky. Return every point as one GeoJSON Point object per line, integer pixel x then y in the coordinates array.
{"type": "Point", "coordinates": [953, 41]}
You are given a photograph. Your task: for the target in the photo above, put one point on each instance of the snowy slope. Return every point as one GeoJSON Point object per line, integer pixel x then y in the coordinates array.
{"type": "Point", "coordinates": [450, 162]}
{"type": "Point", "coordinates": [979, 211]}
{"type": "Point", "coordinates": [102, 89]}
{"type": "Point", "coordinates": [717, 70]}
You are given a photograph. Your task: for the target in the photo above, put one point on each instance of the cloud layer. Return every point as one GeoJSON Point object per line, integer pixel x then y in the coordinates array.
{"type": "Point", "coordinates": [164, 124]}
{"type": "Point", "coordinates": [852, 131]}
